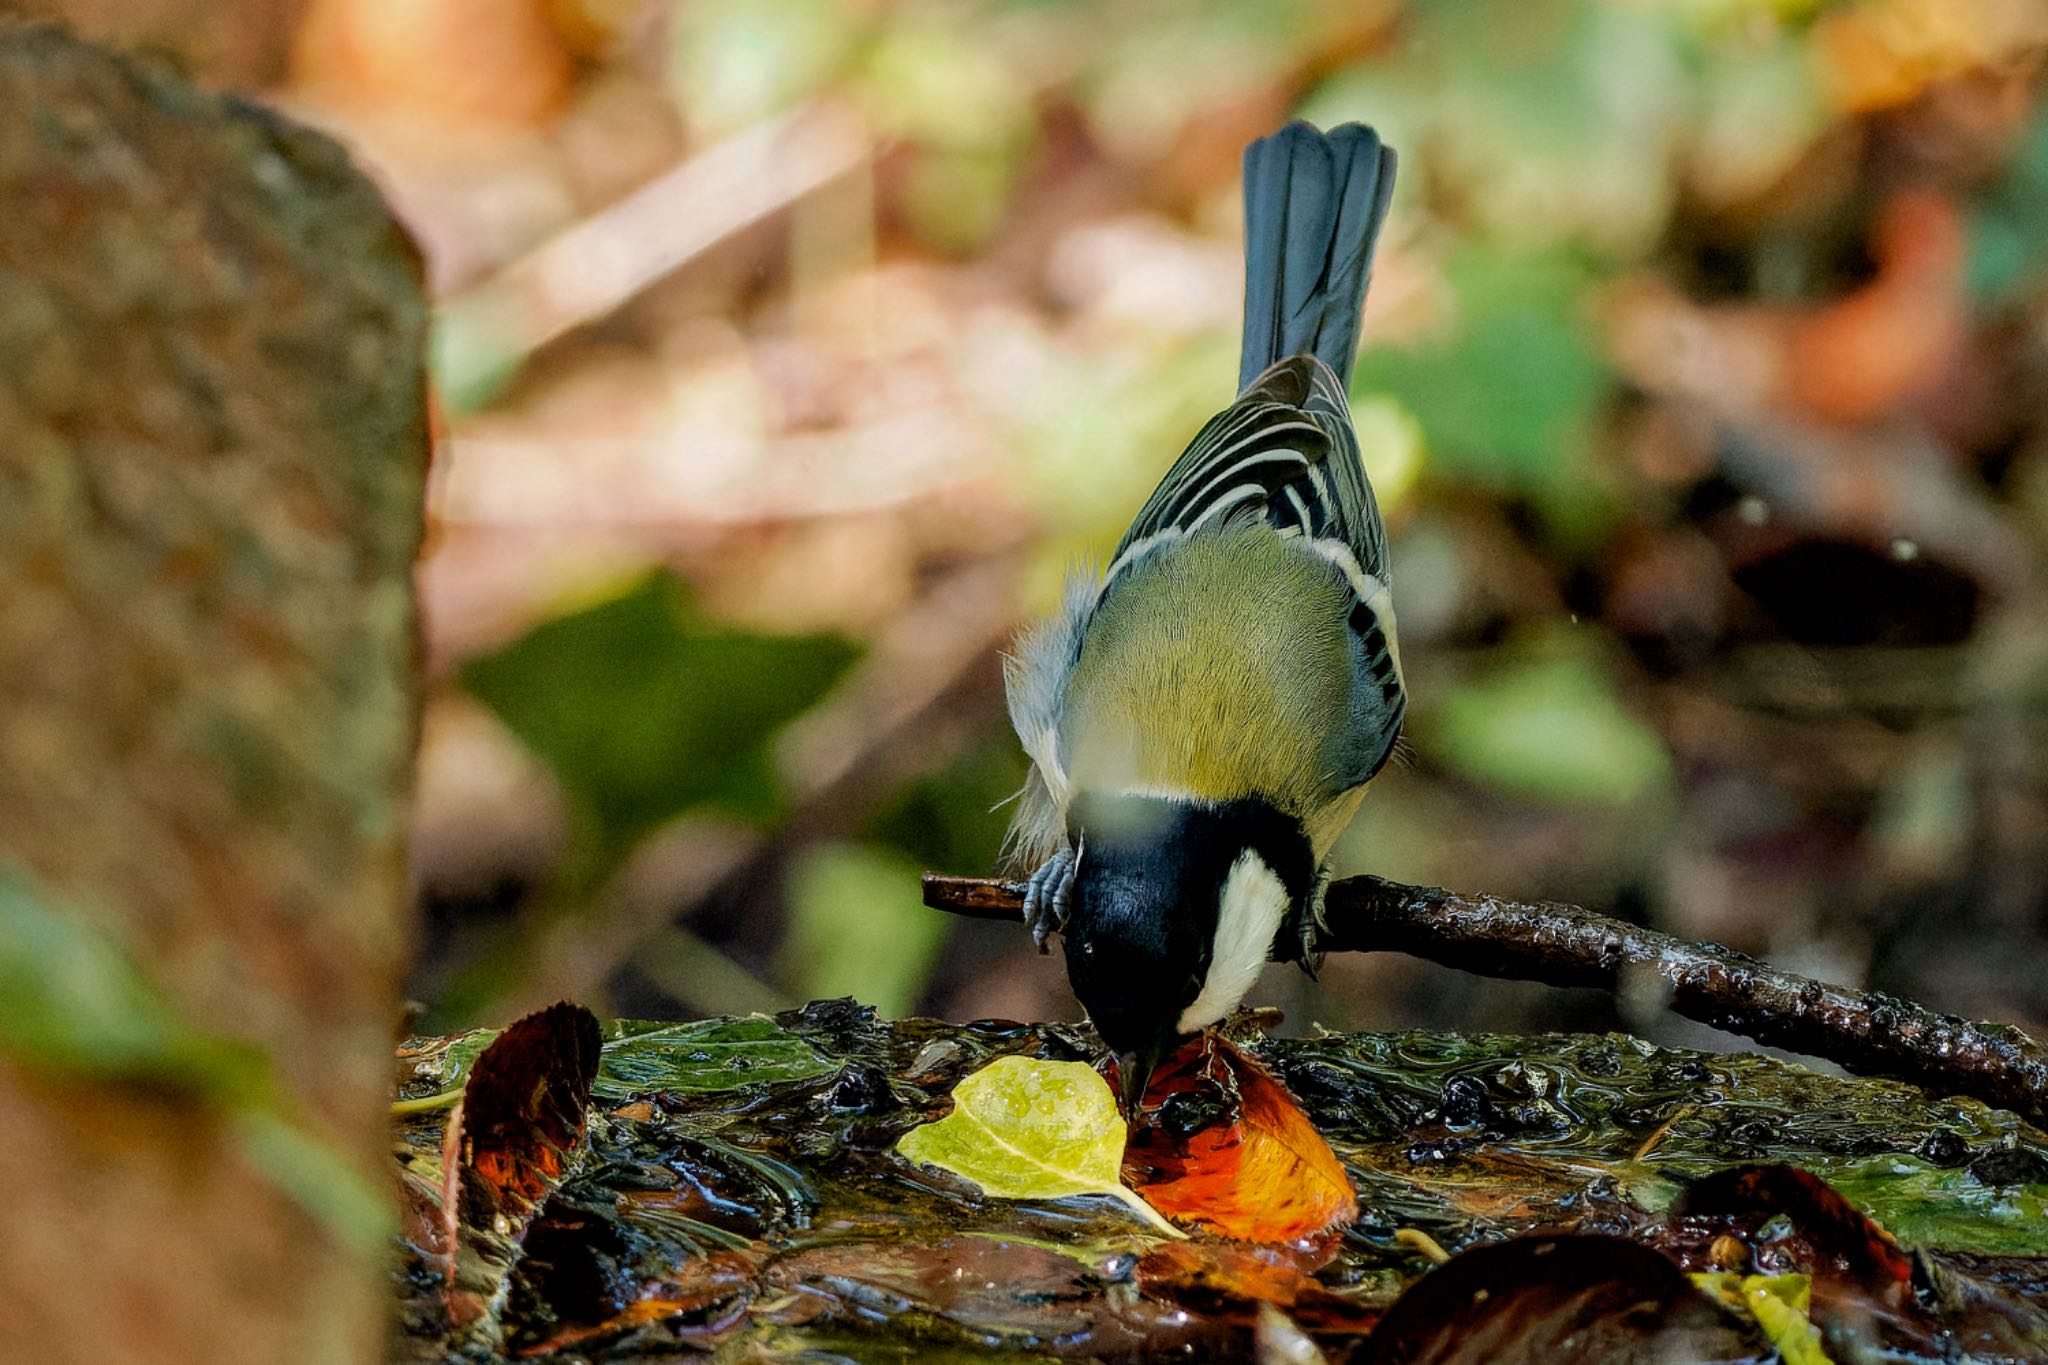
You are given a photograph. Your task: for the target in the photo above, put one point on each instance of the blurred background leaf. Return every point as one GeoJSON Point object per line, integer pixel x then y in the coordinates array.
{"type": "Point", "coordinates": [642, 710]}
{"type": "Point", "coordinates": [880, 954]}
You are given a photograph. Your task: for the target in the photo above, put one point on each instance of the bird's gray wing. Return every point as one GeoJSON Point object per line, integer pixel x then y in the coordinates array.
{"type": "Point", "coordinates": [1285, 453]}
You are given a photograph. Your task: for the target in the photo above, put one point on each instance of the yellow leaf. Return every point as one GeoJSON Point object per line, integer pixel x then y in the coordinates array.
{"type": "Point", "coordinates": [1778, 1304]}
{"type": "Point", "coordinates": [1027, 1129]}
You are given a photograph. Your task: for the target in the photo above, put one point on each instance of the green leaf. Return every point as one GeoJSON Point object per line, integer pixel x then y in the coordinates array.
{"type": "Point", "coordinates": [644, 710]}
{"type": "Point", "coordinates": [1549, 730]}
{"type": "Point", "coordinates": [1941, 1208]}
{"type": "Point", "coordinates": [72, 1000]}
{"type": "Point", "coordinates": [1028, 1129]}
{"type": "Point", "coordinates": [701, 1056]}
{"type": "Point", "coordinates": [1781, 1305]}
{"type": "Point", "coordinates": [843, 900]}
{"type": "Point", "coordinates": [1508, 399]}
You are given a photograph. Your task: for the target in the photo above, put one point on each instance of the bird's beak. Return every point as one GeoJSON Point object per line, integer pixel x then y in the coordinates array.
{"type": "Point", "coordinates": [1134, 1074]}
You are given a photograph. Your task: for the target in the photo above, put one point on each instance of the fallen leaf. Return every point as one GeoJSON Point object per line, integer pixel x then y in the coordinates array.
{"type": "Point", "coordinates": [1556, 1300]}
{"type": "Point", "coordinates": [1781, 1305]}
{"type": "Point", "coordinates": [702, 1297]}
{"type": "Point", "coordinates": [702, 1055]}
{"type": "Point", "coordinates": [1868, 1294]}
{"type": "Point", "coordinates": [509, 1144]}
{"type": "Point", "coordinates": [1228, 1282]}
{"type": "Point", "coordinates": [1028, 1129]}
{"type": "Point", "coordinates": [1221, 1143]}
{"type": "Point", "coordinates": [1004, 1296]}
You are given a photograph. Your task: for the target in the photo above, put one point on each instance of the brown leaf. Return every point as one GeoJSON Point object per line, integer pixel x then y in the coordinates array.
{"type": "Point", "coordinates": [1867, 1291]}
{"type": "Point", "coordinates": [509, 1143]}
{"type": "Point", "coordinates": [1220, 1143]}
{"type": "Point", "coordinates": [702, 1298]}
{"type": "Point", "coordinates": [1226, 1282]}
{"type": "Point", "coordinates": [1553, 1301]}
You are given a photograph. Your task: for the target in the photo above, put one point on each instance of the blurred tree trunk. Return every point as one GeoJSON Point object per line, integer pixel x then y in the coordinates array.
{"type": "Point", "coordinates": [245, 44]}
{"type": "Point", "coordinates": [212, 446]}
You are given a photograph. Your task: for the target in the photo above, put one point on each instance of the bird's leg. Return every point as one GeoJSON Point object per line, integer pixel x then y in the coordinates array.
{"type": "Point", "coordinates": [1046, 894]}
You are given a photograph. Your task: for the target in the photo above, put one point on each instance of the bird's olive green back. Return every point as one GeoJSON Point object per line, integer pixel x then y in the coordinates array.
{"type": "Point", "coordinates": [1181, 685]}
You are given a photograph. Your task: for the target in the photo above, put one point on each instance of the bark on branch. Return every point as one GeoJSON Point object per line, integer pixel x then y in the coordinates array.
{"type": "Point", "coordinates": [1865, 1032]}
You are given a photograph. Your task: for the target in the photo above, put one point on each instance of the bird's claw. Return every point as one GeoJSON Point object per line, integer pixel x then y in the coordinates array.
{"type": "Point", "coordinates": [1046, 895]}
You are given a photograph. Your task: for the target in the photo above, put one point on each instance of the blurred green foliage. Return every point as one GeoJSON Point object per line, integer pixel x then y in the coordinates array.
{"type": "Point", "coordinates": [1546, 729]}
{"type": "Point", "coordinates": [858, 926]}
{"type": "Point", "coordinates": [73, 1002]}
{"type": "Point", "coordinates": [644, 710]}
{"type": "Point", "coordinates": [75, 1005]}
{"type": "Point", "coordinates": [1508, 398]}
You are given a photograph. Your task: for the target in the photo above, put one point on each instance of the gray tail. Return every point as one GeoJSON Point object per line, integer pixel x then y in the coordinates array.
{"type": "Point", "coordinates": [1313, 205]}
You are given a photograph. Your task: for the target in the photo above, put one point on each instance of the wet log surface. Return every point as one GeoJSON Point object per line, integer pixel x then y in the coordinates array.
{"type": "Point", "coordinates": [738, 1192]}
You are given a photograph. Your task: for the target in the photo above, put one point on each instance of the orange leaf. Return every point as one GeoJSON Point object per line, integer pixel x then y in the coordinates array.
{"type": "Point", "coordinates": [1220, 1143]}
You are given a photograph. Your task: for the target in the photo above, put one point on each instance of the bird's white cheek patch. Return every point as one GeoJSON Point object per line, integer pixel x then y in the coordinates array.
{"type": "Point", "coordinates": [1253, 902]}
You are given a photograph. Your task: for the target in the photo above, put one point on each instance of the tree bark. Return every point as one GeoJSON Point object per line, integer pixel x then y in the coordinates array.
{"type": "Point", "coordinates": [212, 446]}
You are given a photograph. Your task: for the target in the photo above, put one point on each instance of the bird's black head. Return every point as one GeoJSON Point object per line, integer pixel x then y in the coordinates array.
{"type": "Point", "coordinates": [1167, 890]}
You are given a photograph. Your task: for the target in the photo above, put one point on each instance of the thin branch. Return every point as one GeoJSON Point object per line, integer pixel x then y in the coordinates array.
{"type": "Point", "coordinates": [1865, 1032]}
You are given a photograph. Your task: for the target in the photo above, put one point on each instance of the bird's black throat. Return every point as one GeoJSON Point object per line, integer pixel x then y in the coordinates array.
{"type": "Point", "coordinates": [1142, 921]}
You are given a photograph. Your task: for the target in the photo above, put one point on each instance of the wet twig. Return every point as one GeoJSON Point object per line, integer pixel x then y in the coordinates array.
{"type": "Point", "coordinates": [1563, 945]}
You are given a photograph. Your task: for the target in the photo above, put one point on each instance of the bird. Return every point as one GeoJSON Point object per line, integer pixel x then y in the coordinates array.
{"type": "Point", "coordinates": [1202, 716]}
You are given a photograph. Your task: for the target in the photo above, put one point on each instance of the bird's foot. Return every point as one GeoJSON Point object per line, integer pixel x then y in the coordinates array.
{"type": "Point", "coordinates": [1046, 894]}
{"type": "Point", "coordinates": [1308, 929]}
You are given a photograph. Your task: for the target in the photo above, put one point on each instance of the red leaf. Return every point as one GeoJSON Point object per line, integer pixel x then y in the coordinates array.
{"type": "Point", "coordinates": [1220, 1143]}
{"type": "Point", "coordinates": [509, 1144]}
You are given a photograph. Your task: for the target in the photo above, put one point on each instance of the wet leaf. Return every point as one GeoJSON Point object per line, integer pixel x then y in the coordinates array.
{"type": "Point", "coordinates": [701, 1297]}
{"type": "Point", "coordinates": [993, 1294]}
{"type": "Point", "coordinates": [434, 1070]}
{"type": "Point", "coordinates": [699, 1057]}
{"type": "Point", "coordinates": [1866, 1295]}
{"type": "Point", "coordinates": [1939, 1208]}
{"type": "Point", "coordinates": [703, 1056]}
{"type": "Point", "coordinates": [1778, 1304]}
{"type": "Point", "coordinates": [1222, 1144]}
{"type": "Point", "coordinates": [510, 1143]}
{"type": "Point", "coordinates": [1551, 1300]}
{"type": "Point", "coordinates": [1028, 1129]}
{"type": "Point", "coordinates": [1231, 1282]}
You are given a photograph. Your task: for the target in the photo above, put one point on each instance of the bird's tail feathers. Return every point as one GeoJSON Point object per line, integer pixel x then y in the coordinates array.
{"type": "Point", "coordinates": [1314, 203]}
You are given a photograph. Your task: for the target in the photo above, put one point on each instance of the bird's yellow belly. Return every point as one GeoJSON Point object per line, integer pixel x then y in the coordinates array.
{"type": "Point", "coordinates": [1217, 669]}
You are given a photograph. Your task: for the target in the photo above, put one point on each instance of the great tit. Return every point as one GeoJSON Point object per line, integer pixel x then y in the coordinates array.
{"type": "Point", "coordinates": [1202, 716]}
